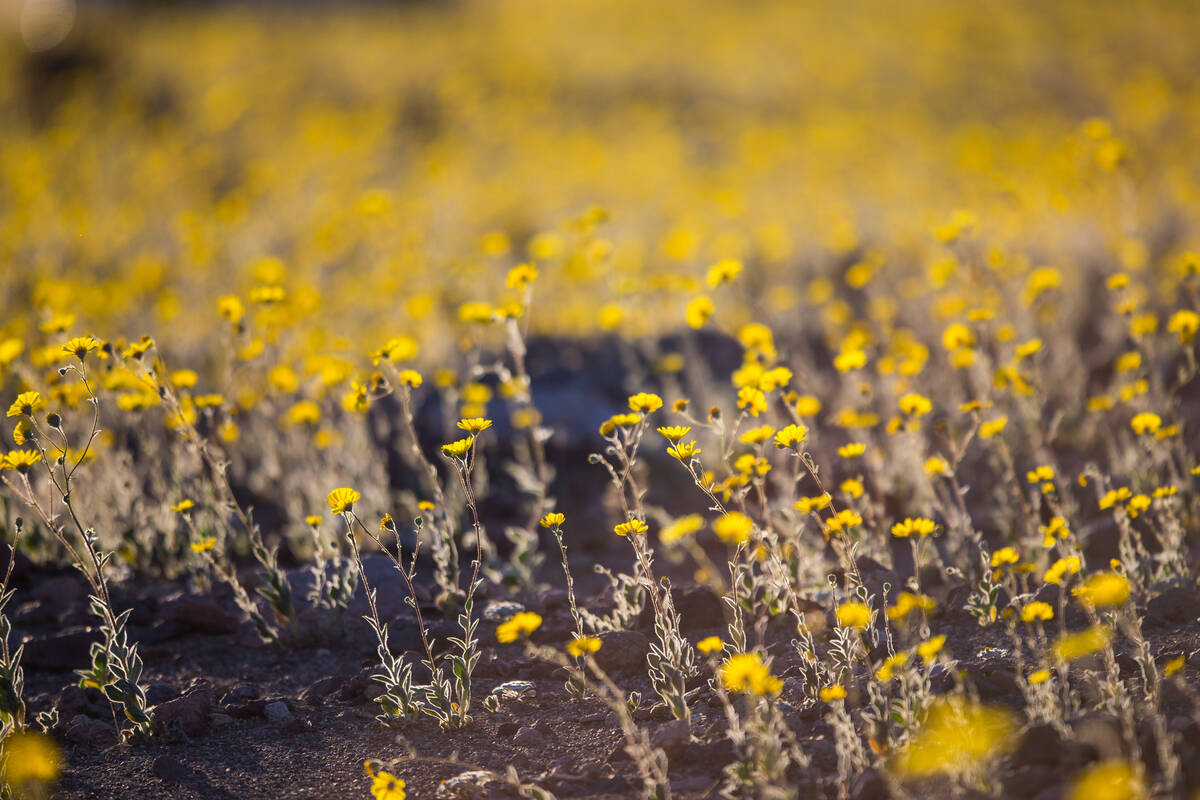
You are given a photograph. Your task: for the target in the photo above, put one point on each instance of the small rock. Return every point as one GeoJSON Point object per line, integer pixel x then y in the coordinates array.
{"type": "Point", "coordinates": [171, 770]}
{"type": "Point", "coordinates": [506, 730]}
{"type": "Point", "coordinates": [528, 737]}
{"type": "Point", "coordinates": [278, 713]}
{"type": "Point", "coordinates": [240, 694]}
{"type": "Point", "coordinates": [60, 651]}
{"type": "Point", "coordinates": [1177, 605]}
{"type": "Point", "coordinates": [700, 611]}
{"type": "Point", "coordinates": [163, 630]}
{"type": "Point", "coordinates": [869, 785]}
{"type": "Point", "coordinates": [245, 710]}
{"type": "Point", "coordinates": [317, 693]}
{"type": "Point", "coordinates": [501, 610]}
{"type": "Point", "coordinates": [197, 612]}
{"type": "Point", "coordinates": [1041, 744]}
{"type": "Point", "coordinates": [712, 755]}
{"type": "Point", "coordinates": [622, 651]}
{"type": "Point", "coordinates": [515, 690]}
{"type": "Point", "coordinates": [355, 689]}
{"type": "Point", "coordinates": [1028, 780]}
{"type": "Point", "coordinates": [75, 700]}
{"type": "Point", "coordinates": [1102, 732]}
{"type": "Point", "coordinates": [1128, 665]}
{"type": "Point", "coordinates": [465, 786]}
{"type": "Point", "coordinates": [158, 692]}
{"type": "Point", "coordinates": [87, 731]}
{"type": "Point", "coordinates": [189, 712]}
{"type": "Point", "coordinates": [671, 737]}
{"type": "Point", "coordinates": [59, 590]}
{"type": "Point", "coordinates": [35, 614]}
{"type": "Point", "coordinates": [219, 720]}
{"type": "Point", "coordinates": [690, 784]}
{"type": "Point", "coordinates": [553, 598]}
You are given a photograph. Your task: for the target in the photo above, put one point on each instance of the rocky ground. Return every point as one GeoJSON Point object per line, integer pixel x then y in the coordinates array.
{"type": "Point", "coordinates": [239, 719]}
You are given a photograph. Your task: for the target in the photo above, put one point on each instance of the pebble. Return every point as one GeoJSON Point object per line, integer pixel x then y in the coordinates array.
{"type": "Point", "coordinates": [278, 713]}
{"type": "Point", "coordinates": [171, 769]}
{"type": "Point", "coordinates": [528, 737]}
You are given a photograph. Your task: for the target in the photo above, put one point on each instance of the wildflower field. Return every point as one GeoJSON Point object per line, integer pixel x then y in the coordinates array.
{"type": "Point", "coordinates": [607, 399]}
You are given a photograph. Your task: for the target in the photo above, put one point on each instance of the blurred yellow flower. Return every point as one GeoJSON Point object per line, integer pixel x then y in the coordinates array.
{"type": "Point", "coordinates": [582, 645]}
{"type": "Point", "coordinates": [1104, 589]}
{"type": "Point", "coordinates": [733, 528]}
{"type": "Point", "coordinates": [746, 672]}
{"type": "Point", "coordinates": [957, 735]}
{"type": "Point", "coordinates": [853, 615]}
{"type": "Point", "coordinates": [1073, 646]}
{"type": "Point", "coordinates": [1109, 780]}
{"type": "Point", "coordinates": [518, 626]}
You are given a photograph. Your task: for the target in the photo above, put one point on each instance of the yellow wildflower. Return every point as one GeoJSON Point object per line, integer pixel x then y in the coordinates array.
{"type": "Point", "coordinates": [699, 311]}
{"type": "Point", "coordinates": [957, 735]}
{"type": "Point", "coordinates": [830, 693]}
{"type": "Point", "coordinates": [1073, 646]}
{"type": "Point", "coordinates": [843, 520]}
{"type": "Point", "coordinates": [746, 672]}
{"type": "Point", "coordinates": [458, 448]}
{"type": "Point", "coordinates": [1038, 676]}
{"type": "Point", "coordinates": [553, 520]}
{"type": "Point", "coordinates": [474, 425]}
{"type": "Point", "coordinates": [734, 528]}
{"type": "Point", "coordinates": [989, 429]}
{"type": "Point", "coordinates": [386, 786]}
{"type": "Point", "coordinates": [684, 526]}
{"type": "Point", "coordinates": [520, 276]}
{"type": "Point", "coordinates": [806, 505]}
{"type": "Point", "coordinates": [920, 526]}
{"type": "Point", "coordinates": [632, 526]}
{"type": "Point", "coordinates": [25, 404]}
{"type": "Point", "coordinates": [1061, 568]}
{"type": "Point", "coordinates": [518, 626]}
{"type": "Point", "coordinates": [30, 758]}
{"type": "Point", "coordinates": [852, 450]}
{"type": "Point", "coordinates": [710, 645]}
{"type": "Point", "coordinates": [791, 436]}
{"type": "Point", "coordinates": [342, 500]}
{"type": "Point", "coordinates": [21, 460]}
{"type": "Point", "coordinates": [1184, 323]}
{"type": "Point", "coordinates": [675, 432]}
{"type": "Point", "coordinates": [80, 346]}
{"type": "Point", "coordinates": [888, 667]}
{"type": "Point", "coordinates": [914, 405]}
{"type": "Point", "coordinates": [645, 403]}
{"type": "Point", "coordinates": [853, 615]}
{"type": "Point", "coordinates": [930, 648]}
{"type": "Point", "coordinates": [581, 645]}
{"type": "Point", "coordinates": [1037, 611]}
{"type": "Point", "coordinates": [1104, 589]}
{"type": "Point", "coordinates": [723, 271]}
{"type": "Point", "coordinates": [1145, 422]}
{"type": "Point", "coordinates": [1109, 780]}
{"type": "Point", "coordinates": [852, 487]}
{"type": "Point", "coordinates": [936, 465]}
{"type": "Point", "coordinates": [1005, 555]}
{"type": "Point", "coordinates": [752, 400]}
{"type": "Point", "coordinates": [204, 544]}
{"type": "Point", "coordinates": [684, 451]}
